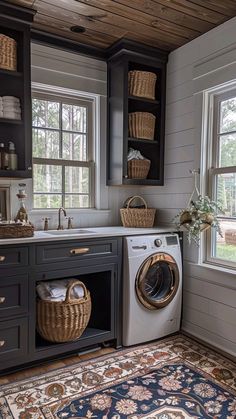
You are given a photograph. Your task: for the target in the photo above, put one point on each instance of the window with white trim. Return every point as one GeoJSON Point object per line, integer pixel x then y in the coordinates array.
{"type": "Point", "coordinates": [222, 179]}
{"type": "Point", "coordinates": [63, 161]}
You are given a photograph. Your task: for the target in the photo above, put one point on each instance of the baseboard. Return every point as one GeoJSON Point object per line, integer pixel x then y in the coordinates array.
{"type": "Point", "coordinates": [209, 345]}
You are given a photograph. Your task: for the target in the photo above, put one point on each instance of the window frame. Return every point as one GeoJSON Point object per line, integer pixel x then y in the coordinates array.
{"type": "Point", "coordinates": [78, 100]}
{"type": "Point", "coordinates": [215, 98]}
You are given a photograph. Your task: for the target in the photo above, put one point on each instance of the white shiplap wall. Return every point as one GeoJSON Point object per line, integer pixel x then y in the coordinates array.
{"type": "Point", "coordinates": [209, 295]}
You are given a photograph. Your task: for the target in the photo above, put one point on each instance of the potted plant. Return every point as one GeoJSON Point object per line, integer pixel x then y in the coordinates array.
{"type": "Point", "coordinates": [200, 215]}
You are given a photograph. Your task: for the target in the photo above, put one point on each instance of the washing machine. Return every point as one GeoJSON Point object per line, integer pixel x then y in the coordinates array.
{"type": "Point", "coordinates": [152, 287]}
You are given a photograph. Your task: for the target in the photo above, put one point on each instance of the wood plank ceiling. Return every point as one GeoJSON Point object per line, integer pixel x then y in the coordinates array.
{"type": "Point", "coordinates": [165, 24]}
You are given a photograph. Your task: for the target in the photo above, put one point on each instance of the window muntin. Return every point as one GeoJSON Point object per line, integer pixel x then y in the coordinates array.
{"type": "Point", "coordinates": [62, 152]}
{"type": "Point", "coordinates": [222, 179]}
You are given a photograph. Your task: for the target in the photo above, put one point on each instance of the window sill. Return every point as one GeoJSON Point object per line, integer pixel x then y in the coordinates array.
{"type": "Point", "coordinates": [218, 268]}
{"type": "Point", "coordinates": [70, 210]}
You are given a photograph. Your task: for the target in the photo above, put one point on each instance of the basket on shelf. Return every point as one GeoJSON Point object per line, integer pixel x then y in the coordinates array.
{"type": "Point", "coordinates": [64, 321]}
{"type": "Point", "coordinates": [8, 53]}
{"type": "Point", "coordinates": [138, 169]}
{"type": "Point", "coordinates": [16, 231]}
{"type": "Point", "coordinates": [142, 125]}
{"type": "Point", "coordinates": [137, 217]}
{"type": "Point", "coordinates": [142, 84]}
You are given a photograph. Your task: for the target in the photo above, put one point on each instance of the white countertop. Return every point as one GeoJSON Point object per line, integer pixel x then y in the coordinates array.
{"type": "Point", "coordinates": [88, 233]}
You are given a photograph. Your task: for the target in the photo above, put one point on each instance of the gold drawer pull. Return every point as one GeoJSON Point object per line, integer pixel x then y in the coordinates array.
{"type": "Point", "coordinates": [79, 251]}
{"type": "Point", "coordinates": [2, 299]}
{"type": "Point", "coordinates": [2, 258]}
{"type": "Point", "coordinates": [2, 343]}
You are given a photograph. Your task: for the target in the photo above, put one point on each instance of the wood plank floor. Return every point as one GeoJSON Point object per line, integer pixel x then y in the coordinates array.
{"type": "Point", "coordinates": [49, 366]}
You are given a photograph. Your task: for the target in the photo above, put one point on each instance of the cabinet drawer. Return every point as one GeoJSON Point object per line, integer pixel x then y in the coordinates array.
{"type": "Point", "coordinates": [75, 251]}
{"type": "Point", "coordinates": [13, 340]}
{"type": "Point", "coordinates": [13, 257]}
{"type": "Point", "coordinates": [13, 295]}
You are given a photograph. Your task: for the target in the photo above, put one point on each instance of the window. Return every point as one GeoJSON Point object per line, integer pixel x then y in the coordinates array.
{"type": "Point", "coordinates": [222, 179]}
{"type": "Point", "coordinates": [62, 151]}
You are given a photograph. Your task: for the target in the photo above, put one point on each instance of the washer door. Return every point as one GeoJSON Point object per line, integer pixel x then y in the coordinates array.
{"type": "Point", "coordinates": [157, 281]}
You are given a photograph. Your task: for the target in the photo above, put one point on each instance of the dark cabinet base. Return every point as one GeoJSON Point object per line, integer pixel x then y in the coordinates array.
{"type": "Point", "coordinates": [22, 346]}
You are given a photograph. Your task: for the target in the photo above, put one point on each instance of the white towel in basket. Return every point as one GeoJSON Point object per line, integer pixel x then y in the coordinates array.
{"type": "Point", "coordinates": [56, 290]}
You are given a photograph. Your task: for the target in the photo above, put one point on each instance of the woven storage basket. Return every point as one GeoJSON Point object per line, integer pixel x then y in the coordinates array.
{"type": "Point", "coordinates": [8, 53]}
{"type": "Point", "coordinates": [138, 169]}
{"type": "Point", "coordinates": [64, 321]}
{"type": "Point", "coordinates": [13, 231]}
{"type": "Point", "coordinates": [142, 125]}
{"type": "Point", "coordinates": [142, 84]}
{"type": "Point", "coordinates": [137, 217]}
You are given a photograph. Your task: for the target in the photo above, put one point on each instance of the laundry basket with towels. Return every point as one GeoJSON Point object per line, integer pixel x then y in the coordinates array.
{"type": "Point", "coordinates": [63, 319]}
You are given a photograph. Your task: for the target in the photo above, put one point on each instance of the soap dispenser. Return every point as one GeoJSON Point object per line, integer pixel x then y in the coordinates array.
{"type": "Point", "coordinates": [12, 156]}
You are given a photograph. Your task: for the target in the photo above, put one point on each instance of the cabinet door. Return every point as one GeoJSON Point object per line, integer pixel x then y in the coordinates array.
{"type": "Point", "coordinates": [13, 340]}
{"type": "Point", "coordinates": [13, 295]}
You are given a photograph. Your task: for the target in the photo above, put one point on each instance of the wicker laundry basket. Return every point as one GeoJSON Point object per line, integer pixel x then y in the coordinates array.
{"type": "Point", "coordinates": [64, 321]}
{"type": "Point", "coordinates": [137, 217]}
{"type": "Point", "coordinates": [142, 125]}
{"type": "Point", "coordinates": [142, 83]}
{"type": "Point", "coordinates": [8, 53]}
{"type": "Point", "coordinates": [138, 169]}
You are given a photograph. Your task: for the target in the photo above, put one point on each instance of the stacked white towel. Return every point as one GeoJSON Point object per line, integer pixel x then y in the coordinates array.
{"type": "Point", "coordinates": [10, 107]}
{"type": "Point", "coordinates": [56, 290]}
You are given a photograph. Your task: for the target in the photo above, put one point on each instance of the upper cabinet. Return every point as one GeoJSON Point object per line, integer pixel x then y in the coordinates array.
{"type": "Point", "coordinates": [136, 114]}
{"type": "Point", "coordinates": [15, 87]}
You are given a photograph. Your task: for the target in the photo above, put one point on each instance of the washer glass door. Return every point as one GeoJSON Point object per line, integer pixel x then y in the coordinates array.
{"type": "Point", "coordinates": [157, 281]}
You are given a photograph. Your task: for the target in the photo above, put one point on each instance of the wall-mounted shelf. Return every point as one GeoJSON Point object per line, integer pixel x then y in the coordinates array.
{"type": "Point", "coordinates": [11, 121]}
{"type": "Point", "coordinates": [121, 103]}
{"type": "Point", "coordinates": [10, 73]}
{"type": "Point", "coordinates": [144, 100]}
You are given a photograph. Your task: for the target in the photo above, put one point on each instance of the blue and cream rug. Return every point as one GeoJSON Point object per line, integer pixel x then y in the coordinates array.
{"type": "Point", "coordinates": [175, 378]}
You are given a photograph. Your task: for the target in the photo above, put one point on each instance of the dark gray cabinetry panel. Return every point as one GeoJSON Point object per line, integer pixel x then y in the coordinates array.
{"type": "Point", "coordinates": [75, 251]}
{"type": "Point", "coordinates": [96, 262]}
{"type": "Point", "coordinates": [13, 341]}
{"type": "Point", "coordinates": [13, 295]}
{"type": "Point", "coordinates": [13, 257]}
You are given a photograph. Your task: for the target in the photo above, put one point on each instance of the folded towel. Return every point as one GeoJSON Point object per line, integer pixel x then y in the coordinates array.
{"type": "Point", "coordinates": [56, 290]}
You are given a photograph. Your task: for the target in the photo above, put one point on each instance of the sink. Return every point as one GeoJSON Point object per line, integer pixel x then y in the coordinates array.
{"type": "Point", "coordinates": [69, 232]}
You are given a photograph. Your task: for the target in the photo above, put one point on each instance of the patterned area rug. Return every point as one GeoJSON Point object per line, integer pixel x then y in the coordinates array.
{"type": "Point", "coordinates": [175, 378]}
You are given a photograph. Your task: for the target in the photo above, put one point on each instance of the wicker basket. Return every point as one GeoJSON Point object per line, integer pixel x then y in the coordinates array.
{"type": "Point", "coordinates": [142, 125]}
{"type": "Point", "coordinates": [64, 321]}
{"type": "Point", "coordinates": [8, 53]}
{"type": "Point", "coordinates": [137, 217]}
{"type": "Point", "coordinates": [142, 84]}
{"type": "Point", "coordinates": [138, 169]}
{"type": "Point", "coordinates": [14, 231]}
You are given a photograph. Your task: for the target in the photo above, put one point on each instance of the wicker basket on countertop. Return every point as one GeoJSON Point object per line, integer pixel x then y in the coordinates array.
{"type": "Point", "coordinates": [137, 217]}
{"type": "Point", "coordinates": [16, 231]}
{"type": "Point", "coordinates": [142, 84]}
{"type": "Point", "coordinates": [142, 125]}
{"type": "Point", "coordinates": [8, 53]}
{"type": "Point", "coordinates": [64, 321]}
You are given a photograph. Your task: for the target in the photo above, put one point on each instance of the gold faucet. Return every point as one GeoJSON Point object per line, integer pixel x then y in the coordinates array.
{"type": "Point", "coordinates": [60, 226]}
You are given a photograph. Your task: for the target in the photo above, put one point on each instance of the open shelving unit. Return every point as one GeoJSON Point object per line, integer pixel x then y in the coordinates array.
{"type": "Point", "coordinates": [121, 103]}
{"type": "Point", "coordinates": [15, 23]}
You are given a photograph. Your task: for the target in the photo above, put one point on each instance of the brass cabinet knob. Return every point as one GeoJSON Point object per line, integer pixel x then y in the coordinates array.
{"type": "Point", "coordinates": [2, 343]}
{"type": "Point", "coordinates": [2, 258]}
{"type": "Point", "coordinates": [2, 300]}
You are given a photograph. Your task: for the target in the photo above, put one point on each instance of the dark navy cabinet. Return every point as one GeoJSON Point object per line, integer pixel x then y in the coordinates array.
{"type": "Point", "coordinates": [96, 262]}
